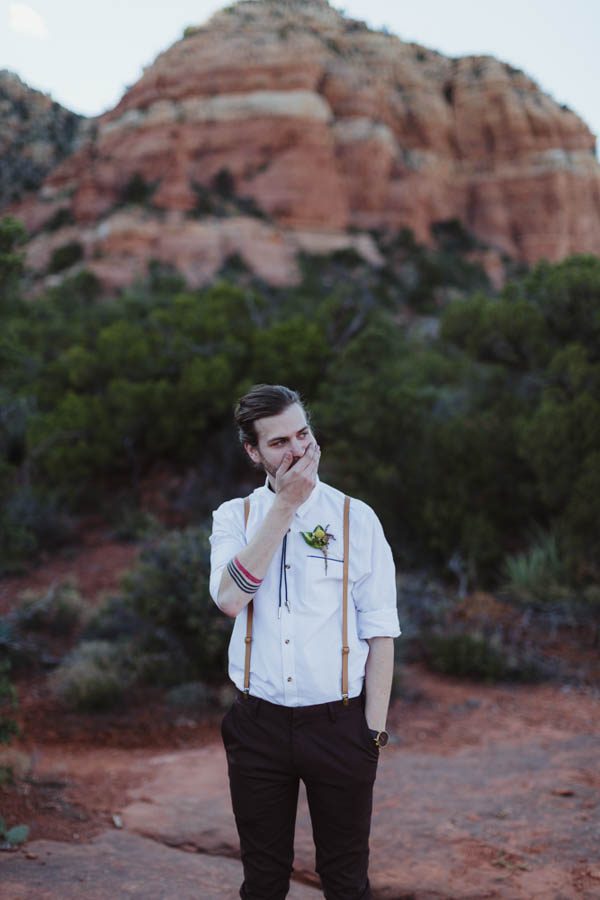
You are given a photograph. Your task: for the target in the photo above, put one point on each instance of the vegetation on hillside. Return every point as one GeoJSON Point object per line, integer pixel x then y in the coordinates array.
{"type": "Point", "coordinates": [477, 439]}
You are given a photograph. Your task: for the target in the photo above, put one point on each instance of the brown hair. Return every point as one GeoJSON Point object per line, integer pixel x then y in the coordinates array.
{"type": "Point", "coordinates": [261, 401]}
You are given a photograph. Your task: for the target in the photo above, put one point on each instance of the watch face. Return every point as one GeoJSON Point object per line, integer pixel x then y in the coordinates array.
{"type": "Point", "coordinates": [383, 738]}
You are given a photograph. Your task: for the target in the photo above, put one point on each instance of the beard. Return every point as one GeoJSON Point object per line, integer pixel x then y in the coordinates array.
{"type": "Point", "coordinates": [270, 469]}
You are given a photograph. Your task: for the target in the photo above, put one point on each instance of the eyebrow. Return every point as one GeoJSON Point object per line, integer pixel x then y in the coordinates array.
{"type": "Point", "coordinates": [283, 437]}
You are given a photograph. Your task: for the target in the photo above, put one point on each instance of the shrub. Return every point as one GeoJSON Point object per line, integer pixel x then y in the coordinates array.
{"type": "Point", "coordinates": [31, 519]}
{"type": "Point", "coordinates": [224, 183]}
{"type": "Point", "coordinates": [112, 620]}
{"type": "Point", "coordinates": [537, 574]}
{"type": "Point", "coordinates": [12, 235]}
{"type": "Point", "coordinates": [197, 696]}
{"type": "Point", "coordinates": [15, 835]}
{"type": "Point", "coordinates": [66, 256]}
{"type": "Point", "coordinates": [17, 546]}
{"type": "Point", "coordinates": [61, 217]}
{"type": "Point", "coordinates": [93, 677]}
{"type": "Point", "coordinates": [138, 190]}
{"type": "Point", "coordinates": [56, 611]}
{"type": "Point", "coordinates": [219, 198]}
{"type": "Point", "coordinates": [168, 589]}
{"type": "Point", "coordinates": [16, 411]}
{"type": "Point", "coordinates": [9, 728]}
{"type": "Point", "coordinates": [452, 236]}
{"type": "Point", "coordinates": [476, 655]}
{"type": "Point", "coordinates": [15, 650]}
{"type": "Point", "coordinates": [475, 636]}
{"type": "Point", "coordinates": [190, 695]}
{"type": "Point", "coordinates": [155, 655]}
{"type": "Point", "coordinates": [162, 667]}
{"type": "Point", "coordinates": [133, 524]}
{"type": "Point", "coordinates": [165, 616]}
{"type": "Point", "coordinates": [423, 605]}
{"type": "Point", "coordinates": [8, 699]}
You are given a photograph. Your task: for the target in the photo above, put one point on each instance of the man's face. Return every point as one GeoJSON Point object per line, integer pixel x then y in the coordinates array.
{"type": "Point", "coordinates": [278, 434]}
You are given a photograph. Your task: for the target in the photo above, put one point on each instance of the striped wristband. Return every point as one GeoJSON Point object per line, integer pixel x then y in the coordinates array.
{"type": "Point", "coordinates": [242, 577]}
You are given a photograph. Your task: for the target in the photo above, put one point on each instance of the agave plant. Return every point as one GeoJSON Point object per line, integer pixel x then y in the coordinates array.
{"type": "Point", "coordinates": [10, 837]}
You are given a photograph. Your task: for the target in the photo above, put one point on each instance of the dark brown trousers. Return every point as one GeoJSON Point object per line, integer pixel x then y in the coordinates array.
{"type": "Point", "coordinates": [269, 749]}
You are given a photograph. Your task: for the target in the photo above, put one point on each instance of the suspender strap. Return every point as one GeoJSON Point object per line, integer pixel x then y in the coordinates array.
{"type": "Point", "coordinates": [250, 610]}
{"type": "Point", "coordinates": [345, 647]}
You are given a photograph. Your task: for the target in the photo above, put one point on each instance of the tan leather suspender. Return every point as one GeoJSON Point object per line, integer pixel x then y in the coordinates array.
{"type": "Point", "coordinates": [250, 608]}
{"type": "Point", "coordinates": [345, 646]}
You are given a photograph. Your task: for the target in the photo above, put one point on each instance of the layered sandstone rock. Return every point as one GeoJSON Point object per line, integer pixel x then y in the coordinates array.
{"type": "Point", "coordinates": [290, 112]}
{"type": "Point", "coordinates": [36, 133]}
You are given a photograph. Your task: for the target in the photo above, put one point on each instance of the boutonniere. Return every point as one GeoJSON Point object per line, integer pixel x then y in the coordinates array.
{"type": "Point", "coordinates": [319, 539]}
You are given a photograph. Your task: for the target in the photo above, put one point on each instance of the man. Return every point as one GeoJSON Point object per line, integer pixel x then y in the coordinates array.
{"type": "Point", "coordinates": [301, 711]}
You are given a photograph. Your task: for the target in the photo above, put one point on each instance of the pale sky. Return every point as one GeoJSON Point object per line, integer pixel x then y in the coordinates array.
{"type": "Point", "coordinates": [85, 54]}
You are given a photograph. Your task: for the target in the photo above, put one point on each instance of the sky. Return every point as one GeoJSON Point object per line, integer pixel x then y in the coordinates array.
{"type": "Point", "coordinates": [86, 54]}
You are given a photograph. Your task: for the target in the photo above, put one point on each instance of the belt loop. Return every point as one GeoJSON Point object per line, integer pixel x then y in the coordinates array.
{"type": "Point", "coordinates": [331, 710]}
{"type": "Point", "coordinates": [256, 704]}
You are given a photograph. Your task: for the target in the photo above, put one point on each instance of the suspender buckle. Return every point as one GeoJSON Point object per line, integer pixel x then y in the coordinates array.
{"type": "Point", "coordinates": [345, 699]}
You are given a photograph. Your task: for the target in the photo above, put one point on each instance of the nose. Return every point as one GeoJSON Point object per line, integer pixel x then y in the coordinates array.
{"type": "Point", "coordinates": [296, 447]}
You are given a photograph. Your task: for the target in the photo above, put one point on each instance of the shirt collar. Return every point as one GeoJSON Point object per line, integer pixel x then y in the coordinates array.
{"type": "Point", "coordinates": [304, 507]}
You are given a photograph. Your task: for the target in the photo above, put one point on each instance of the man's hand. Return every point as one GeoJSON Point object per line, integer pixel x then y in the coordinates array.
{"type": "Point", "coordinates": [294, 482]}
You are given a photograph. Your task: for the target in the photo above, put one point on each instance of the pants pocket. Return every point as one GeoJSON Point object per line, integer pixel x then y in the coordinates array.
{"type": "Point", "coordinates": [368, 737]}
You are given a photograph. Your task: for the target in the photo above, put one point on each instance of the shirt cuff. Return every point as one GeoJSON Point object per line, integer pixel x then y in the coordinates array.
{"type": "Point", "coordinates": [378, 623]}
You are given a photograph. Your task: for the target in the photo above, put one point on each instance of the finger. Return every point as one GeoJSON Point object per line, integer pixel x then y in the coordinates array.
{"type": "Point", "coordinates": [285, 464]}
{"type": "Point", "coordinates": [307, 458]}
{"type": "Point", "coordinates": [312, 468]}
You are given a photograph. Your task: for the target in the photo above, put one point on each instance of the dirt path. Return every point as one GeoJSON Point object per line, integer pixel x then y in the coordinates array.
{"type": "Point", "coordinates": [484, 792]}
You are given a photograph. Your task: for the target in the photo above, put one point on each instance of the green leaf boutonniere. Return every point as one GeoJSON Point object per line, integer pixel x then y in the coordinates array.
{"type": "Point", "coordinates": [319, 539]}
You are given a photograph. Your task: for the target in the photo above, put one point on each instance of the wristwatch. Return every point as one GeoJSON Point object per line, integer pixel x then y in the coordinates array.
{"type": "Point", "coordinates": [380, 737]}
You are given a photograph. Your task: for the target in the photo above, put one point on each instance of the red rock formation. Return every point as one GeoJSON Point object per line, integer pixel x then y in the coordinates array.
{"type": "Point", "coordinates": [320, 125]}
{"type": "Point", "coordinates": [36, 133]}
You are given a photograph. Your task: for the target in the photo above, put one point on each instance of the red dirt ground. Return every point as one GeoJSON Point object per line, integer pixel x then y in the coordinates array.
{"type": "Point", "coordinates": [95, 752]}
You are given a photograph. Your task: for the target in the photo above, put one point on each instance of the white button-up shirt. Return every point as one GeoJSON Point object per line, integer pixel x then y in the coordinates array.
{"type": "Point", "coordinates": [296, 655]}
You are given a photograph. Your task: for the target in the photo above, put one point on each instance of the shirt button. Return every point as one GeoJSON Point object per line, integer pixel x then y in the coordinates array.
{"type": "Point", "coordinates": [288, 566]}
{"type": "Point", "coordinates": [289, 677]}
{"type": "Point", "coordinates": [287, 640]}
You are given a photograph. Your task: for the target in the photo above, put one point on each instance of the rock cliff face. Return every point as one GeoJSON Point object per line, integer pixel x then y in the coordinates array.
{"type": "Point", "coordinates": [281, 124]}
{"type": "Point", "coordinates": [35, 135]}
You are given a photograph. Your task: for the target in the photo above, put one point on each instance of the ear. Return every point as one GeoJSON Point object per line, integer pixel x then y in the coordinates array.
{"type": "Point", "coordinates": [252, 452]}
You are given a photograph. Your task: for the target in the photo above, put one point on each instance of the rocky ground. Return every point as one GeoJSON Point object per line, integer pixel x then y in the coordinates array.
{"type": "Point", "coordinates": [484, 792]}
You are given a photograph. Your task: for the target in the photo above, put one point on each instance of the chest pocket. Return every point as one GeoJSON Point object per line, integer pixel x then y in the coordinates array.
{"type": "Point", "coordinates": [323, 592]}
{"type": "Point", "coordinates": [319, 571]}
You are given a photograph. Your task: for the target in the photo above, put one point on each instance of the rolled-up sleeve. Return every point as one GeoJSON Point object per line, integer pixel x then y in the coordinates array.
{"type": "Point", "coordinates": [227, 538]}
{"type": "Point", "coordinates": [375, 592]}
